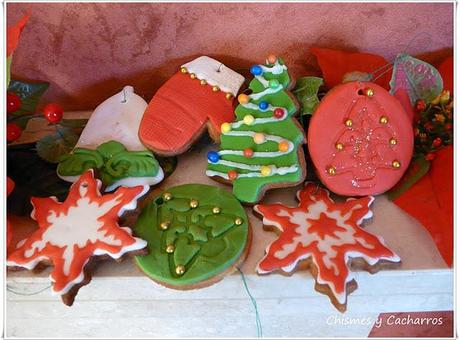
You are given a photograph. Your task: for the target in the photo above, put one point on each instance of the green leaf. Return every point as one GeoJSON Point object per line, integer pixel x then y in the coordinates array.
{"type": "Point", "coordinates": [52, 147]}
{"type": "Point", "coordinates": [29, 93]}
{"type": "Point", "coordinates": [306, 92]}
{"type": "Point", "coordinates": [417, 169]}
{"type": "Point", "coordinates": [417, 78]}
{"type": "Point", "coordinates": [8, 70]}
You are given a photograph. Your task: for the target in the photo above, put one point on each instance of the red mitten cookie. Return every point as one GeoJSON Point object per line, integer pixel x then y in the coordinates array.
{"type": "Point", "coordinates": [197, 97]}
{"type": "Point", "coordinates": [72, 233]}
{"type": "Point", "coordinates": [360, 140]}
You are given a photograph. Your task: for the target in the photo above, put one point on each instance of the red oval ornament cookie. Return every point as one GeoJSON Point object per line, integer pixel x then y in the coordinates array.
{"type": "Point", "coordinates": [360, 140]}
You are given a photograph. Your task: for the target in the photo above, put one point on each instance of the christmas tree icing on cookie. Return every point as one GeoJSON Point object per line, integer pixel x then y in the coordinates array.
{"type": "Point", "coordinates": [260, 149]}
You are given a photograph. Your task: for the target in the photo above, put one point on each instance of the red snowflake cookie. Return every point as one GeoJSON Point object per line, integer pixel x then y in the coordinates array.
{"type": "Point", "coordinates": [360, 140]}
{"type": "Point", "coordinates": [70, 233]}
{"type": "Point", "coordinates": [325, 233]}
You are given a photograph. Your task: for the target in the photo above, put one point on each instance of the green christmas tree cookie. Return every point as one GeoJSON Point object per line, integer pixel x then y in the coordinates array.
{"type": "Point", "coordinates": [261, 149]}
{"type": "Point", "coordinates": [196, 234]}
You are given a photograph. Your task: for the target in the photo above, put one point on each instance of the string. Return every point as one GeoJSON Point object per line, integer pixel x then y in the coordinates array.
{"type": "Point", "coordinates": [389, 66]}
{"type": "Point", "coordinates": [254, 303]}
{"type": "Point", "coordinates": [8, 288]}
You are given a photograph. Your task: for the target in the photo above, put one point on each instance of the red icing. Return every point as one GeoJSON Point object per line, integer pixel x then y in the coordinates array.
{"type": "Point", "coordinates": [365, 165]}
{"type": "Point", "coordinates": [110, 205]}
{"type": "Point", "coordinates": [178, 112]}
{"type": "Point", "coordinates": [326, 232]}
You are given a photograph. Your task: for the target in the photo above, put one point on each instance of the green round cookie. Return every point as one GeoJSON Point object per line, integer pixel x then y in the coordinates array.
{"type": "Point", "coordinates": [194, 232]}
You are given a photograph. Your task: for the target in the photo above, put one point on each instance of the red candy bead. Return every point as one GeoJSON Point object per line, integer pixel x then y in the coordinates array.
{"type": "Point", "coordinates": [13, 102]}
{"type": "Point", "coordinates": [53, 113]}
{"type": "Point", "coordinates": [248, 153]}
{"type": "Point", "coordinates": [437, 142]}
{"type": "Point", "coordinates": [430, 156]}
{"type": "Point", "coordinates": [232, 175]}
{"type": "Point", "coordinates": [13, 132]}
{"type": "Point", "coordinates": [278, 113]}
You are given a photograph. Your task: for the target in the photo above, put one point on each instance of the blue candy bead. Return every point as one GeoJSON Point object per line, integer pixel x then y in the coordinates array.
{"type": "Point", "coordinates": [256, 70]}
{"type": "Point", "coordinates": [263, 105]}
{"type": "Point", "coordinates": [213, 156]}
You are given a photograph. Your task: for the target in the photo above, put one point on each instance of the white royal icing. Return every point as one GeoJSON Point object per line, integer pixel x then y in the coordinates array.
{"type": "Point", "coordinates": [216, 74]}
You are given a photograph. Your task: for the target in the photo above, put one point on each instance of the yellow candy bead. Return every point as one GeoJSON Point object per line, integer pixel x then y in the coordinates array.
{"type": "Point", "coordinates": [393, 141]}
{"type": "Point", "coordinates": [215, 88]}
{"type": "Point", "coordinates": [248, 119]}
{"type": "Point", "coordinates": [183, 69]}
{"type": "Point", "coordinates": [349, 122]}
{"type": "Point", "coordinates": [396, 164]}
{"type": "Point", "coordinates": [265, 170]}
{"type": "Point", "coordinates": [203, 82]}
{"type": "Point", "coordinates": [238, 221]}
{"type": "Point", "coordinates": [243, 98]}
{"type": "Point", "coordinates": [283, 146]}
{"type": "Point", "coordinates": [383, 120]}
{"type": "Point", "coordinates": [339, 146]}
{"type": "Point", "coordinates": [225, 127]}
{"type": "Point", "coordinates": [170, 248]}
{"type": "Point", "coordinates": [259, 138]}
{"type": "Point", "coordinates": [167, 196]}
{"type": "Point", "coordinates": [331, 170]}
{"type": "Point", "coordinates": [216, 210]}
{"type": "Point", "coordinates": [192, 75]}
{"type": "Point", "coordinates": [369, 92]}
{"type": "Point", "coordinates": [180, 270]}
{"type": "Point", "coordinates": [229, 96]}
{"type": "Point", "coordinates": [194, 204]}
{"type": "Point", "coordinates": [165, 225]}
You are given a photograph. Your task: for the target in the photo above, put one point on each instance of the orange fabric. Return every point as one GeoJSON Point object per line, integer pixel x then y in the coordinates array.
{"type": "Point", "coordinates": [336, 63]}
{"type": "Point", "coordinates": [446, 69]}
{"type": "Point", "coordinates": [13, 34]}
{"type": "Point", "coordinates": [178, 112]}
{"type": "Point", "coordinates": [430, 201]}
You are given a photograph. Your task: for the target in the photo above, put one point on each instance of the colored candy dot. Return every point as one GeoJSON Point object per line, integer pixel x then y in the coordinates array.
{"type": "Point", "coordinates": [256, 70]}
{"type": "Point", "coordinates": [248, 153]}
{"type": "Point", "coordinates": [265, 170]}
{"type": "Point", "coordinates": [248, 119]}
{"type": "Point", "coordinates": [272, 58]}
{"type": "Point", "coordinates": [232, 175]}
{"type": "Point", "coordinates": [263, 105]}
{"type": "Point", "coordinates": [273, 83]}
{"type": "Point", "coordinates": [213, 156]}
{"type": "Point", "coordinates": [225, 127]}
{"type": "Point", "coordinates": [259, 138]}
{"type": "Point", "coordinates": [243, 98]}
{"type": "Point", "coordinates": [278, 113]}
{"type": "Point", "coordinates": [283, 146]}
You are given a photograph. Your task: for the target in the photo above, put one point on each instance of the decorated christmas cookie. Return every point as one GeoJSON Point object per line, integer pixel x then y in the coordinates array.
{"type": "Point", "coordinates": [261, 149]}
{"type": "Point", "coordinates": [360, 139]}
{"type": "Point", "coordinates": [73, 233]}
{"type": "Point", "coordinates": [198, 97]}
{"type": "Point", "coordinates": [196, 234]}
{"type": "Point", "coordinates": [110, 144]}
{"type": "Point", "coordinates": [327, 237]}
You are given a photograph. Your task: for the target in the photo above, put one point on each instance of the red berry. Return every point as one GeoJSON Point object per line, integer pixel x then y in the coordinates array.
{"type": "Point", "coordinates": [428, 126]}
{"type": "Point", "coordinates": [53, 113]}
{"type": "Point", "coordinates": [248, 153]}
{"type": "Point", "coordinates": [13, 132]}
{"type": "Point", "coordinates": [278, 113]}
{"type": "Point", "coordinates": [13, 102]}
{"type": "Point", "coordinates": [430, 156]}
{"type": "Point", "coordinates": [448, 126]}
{"type": "Point", "coordinates": [437, 142]}
{"type": "Point", "coordinates": [232, 175]}
{"type": "Point", "coordinates": [420, 105]}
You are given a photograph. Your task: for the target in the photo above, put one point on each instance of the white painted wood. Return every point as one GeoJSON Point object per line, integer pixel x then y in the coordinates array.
{"type": "Point", "coordinates": [121, 302]}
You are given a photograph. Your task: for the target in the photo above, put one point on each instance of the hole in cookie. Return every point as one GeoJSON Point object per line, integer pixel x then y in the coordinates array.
{"type": "Point", "coordinates": [361, 92]}
{"type": "Point", "coordinates": [159, 201]}
{"type": "Point", "coordinates": [84, 185]}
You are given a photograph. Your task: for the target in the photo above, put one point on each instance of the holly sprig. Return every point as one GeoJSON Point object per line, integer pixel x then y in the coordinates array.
{"type": "Point", "coordinates": [22, 100]}
{"type": "Point", "coordinates": [433, 125]}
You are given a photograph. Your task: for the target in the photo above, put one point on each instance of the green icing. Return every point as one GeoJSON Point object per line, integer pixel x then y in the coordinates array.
{"type": "Point", "coordinates": [113, 161]}
{"type": "Point", "coordinates": [249, 189]}
{"type": "Point", "coordinates": [205, 243]}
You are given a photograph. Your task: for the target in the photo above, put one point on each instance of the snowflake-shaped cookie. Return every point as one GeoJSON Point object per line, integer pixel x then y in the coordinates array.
{"type": "Point", "coordinates": [72, 232]}
{"type": "Point", "coordinates": [328, 235]}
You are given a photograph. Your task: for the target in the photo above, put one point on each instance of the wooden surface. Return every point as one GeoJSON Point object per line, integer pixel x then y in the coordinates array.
{"type": "Point", "coordinates": [122, 302]}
